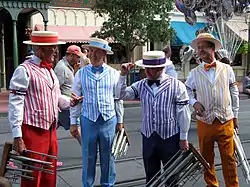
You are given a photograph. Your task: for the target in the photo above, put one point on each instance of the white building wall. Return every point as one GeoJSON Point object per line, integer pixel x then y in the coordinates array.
{"type": "Point", "coordinates": [69, 17]}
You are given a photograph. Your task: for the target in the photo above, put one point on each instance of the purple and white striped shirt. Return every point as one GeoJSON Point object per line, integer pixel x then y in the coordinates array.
{"type": "Point", "coordinates": [165, 108]}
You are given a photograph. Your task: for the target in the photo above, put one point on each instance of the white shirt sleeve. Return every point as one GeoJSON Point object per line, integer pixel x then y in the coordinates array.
{"type": "Point", "coordinates": [182, 111]}
{"type": "Point", "coordinates": [75, 111]}
{"type": "Point", "coordinates": [19, 84]}
{"type": "Point", "coordinates": [60, 73]}
{"type": "Point", "coordinates": [190, 85]}
{"type": "Point", "coordinates": [234, 91]}
{"type": "Point", "coordinates": [63, 102]}
{"type": "Point", "coordinates": [124, 92]}
{"type": "Point", "coordinates": [119, 108]}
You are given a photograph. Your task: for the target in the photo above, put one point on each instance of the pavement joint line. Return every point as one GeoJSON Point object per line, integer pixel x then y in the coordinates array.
{"type": "Point", "coordinates": [67, 168]}
{"type": "Point", "coordinates": [63, 180]}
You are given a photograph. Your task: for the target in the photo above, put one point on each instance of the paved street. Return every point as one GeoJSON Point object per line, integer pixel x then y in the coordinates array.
{"type": "Point", "coordinates": [131, 166]}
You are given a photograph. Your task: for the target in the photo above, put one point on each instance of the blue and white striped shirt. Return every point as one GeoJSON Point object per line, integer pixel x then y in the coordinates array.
{"type": "Point", "coordinates": [98, 93]}
{"type": "Point", "coordinates": [165, 108]}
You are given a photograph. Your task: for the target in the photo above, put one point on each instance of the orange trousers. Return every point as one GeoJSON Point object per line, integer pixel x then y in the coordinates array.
{"type": "Point", "coordinates": [222, 133]}
{"type": "Point", "coordinates": [42, 141]}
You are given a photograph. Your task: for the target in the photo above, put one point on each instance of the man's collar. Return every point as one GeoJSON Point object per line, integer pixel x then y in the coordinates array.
{"type": "Point", "coordinates": [36, 60]}
{"type": "Point", "coordinates": [162, 77]}
{"type": "Point", "coordinates": [103, 65]}
{"type": "Point", "coordinates": [203, 63]}
{"type": "Point", "coordinates": [67, 64]}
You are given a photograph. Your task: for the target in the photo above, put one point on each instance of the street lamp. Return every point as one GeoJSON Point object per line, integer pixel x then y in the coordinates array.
{"type": "Point", "coordinates": [247, 16]}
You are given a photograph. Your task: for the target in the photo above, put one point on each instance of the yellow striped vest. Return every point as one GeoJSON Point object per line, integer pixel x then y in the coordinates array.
{"type": "Point", "coordinates": [215, 97]}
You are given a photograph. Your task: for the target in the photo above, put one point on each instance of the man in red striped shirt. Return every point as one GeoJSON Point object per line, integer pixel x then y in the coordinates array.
{"type": "Point", "coordinates": [33, 104]}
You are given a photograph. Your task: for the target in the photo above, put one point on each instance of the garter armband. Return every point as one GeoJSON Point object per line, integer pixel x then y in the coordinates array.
{"type": "Point", "coordinates": [18, 92]}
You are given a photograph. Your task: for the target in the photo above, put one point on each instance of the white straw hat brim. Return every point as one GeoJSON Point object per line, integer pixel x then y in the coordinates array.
{"type": "Point", "coordinates": [108, 51]}
{"type": "Point", "coordinates": [140, 64]}
{"type": "Point", "coordinates": [216, 42]}
{"type": "Point", "coordinates": [44, 44]}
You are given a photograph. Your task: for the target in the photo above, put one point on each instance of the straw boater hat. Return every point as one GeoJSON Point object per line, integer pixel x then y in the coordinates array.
{"type": "Point", "coordinates": [153, 59]}
{"type": "Point", "coordinates": [44, 38]}
{"type": "Point", "coordinates": [100, 44]}
{"type": "Point", "coordinates": [206, 37]}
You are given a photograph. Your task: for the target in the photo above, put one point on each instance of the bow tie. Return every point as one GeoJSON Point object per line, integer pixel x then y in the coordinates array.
{"type": "Point", "coordinates": [97, 69]}
{"type": "Point", "coordinates": [208, 66]}
{"type": "Point", "coordinates": [44, 64]}
{"type": "Point", "coordinates": [151, 82]}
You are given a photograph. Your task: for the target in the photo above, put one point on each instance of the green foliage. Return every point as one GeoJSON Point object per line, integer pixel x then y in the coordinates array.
{"type": "Point", "coordinates": [243, 48]}
{"type": "Point", "coordinates": [132, 23]}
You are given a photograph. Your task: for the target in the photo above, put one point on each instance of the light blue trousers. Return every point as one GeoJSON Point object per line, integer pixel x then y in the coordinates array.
{"type": "Point", "coordinates": [100, 133]}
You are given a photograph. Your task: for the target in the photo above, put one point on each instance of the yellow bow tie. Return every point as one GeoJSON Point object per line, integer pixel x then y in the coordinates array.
{"type": "Point", "coordinates": [208, 66]}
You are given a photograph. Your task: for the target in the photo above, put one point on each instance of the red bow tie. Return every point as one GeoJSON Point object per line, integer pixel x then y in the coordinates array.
{"type": "Point", "coordinates": [44, 64]}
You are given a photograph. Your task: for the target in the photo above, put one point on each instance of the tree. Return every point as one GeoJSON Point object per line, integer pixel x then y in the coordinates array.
{"type": "Point", "coordinates": [132, 22]}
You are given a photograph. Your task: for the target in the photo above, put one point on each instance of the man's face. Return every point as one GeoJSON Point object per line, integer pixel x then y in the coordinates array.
{"type": "Point", "coordinates": [47, 53]}
{"type": "Point", "coordinates": [205, 50]}
{"type": "Point", "coordinates": [153, 73]}
{"type": "Point", "coordinates": [96, 55]}
{"type": "Point", "coordinates": [73, 59]}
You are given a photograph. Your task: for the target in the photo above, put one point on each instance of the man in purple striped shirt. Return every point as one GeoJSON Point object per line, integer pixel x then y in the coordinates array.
{"type": "Point", "coordinates": [166, 115]}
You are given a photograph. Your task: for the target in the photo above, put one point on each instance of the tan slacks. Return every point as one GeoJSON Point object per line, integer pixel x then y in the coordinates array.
{"type": "Point", "coordinates": [222, 133]}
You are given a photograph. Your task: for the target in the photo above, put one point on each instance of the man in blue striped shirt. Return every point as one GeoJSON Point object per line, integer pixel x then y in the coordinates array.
{"type": "Point", "coordinates": [101, 114]}
{"type": "Point", "coordinates": [166, 115]}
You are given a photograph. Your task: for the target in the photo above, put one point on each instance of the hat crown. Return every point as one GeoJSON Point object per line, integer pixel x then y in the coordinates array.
{"type": "Point", "coordinates": [153, 55]}
{"type": "Point", "coordinates": [99, 40]}
{"type": "Point", "coordinates": [44, 33]}
{"type": "Point", "coordinates": [44, 38]}
{"type": "Point", "coordinates": [100, 44]}
{"type": "Point", "coordinates": [205, 35]}
{"type": "Point", "coordinates": [154, 58]}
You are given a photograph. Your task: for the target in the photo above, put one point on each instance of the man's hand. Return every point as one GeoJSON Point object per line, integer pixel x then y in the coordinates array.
{"type": "Point", "coordinates": [236, 125]}
{"type": "Point", "coordinates": [119, 127]}
{"type": "Point", "coordinates": [75, 131]}
{"type": "Point", "coordinates": [125, 68]}
{"type": "Point", "coordinates": [184, 145]}
{"type": "Point", "coordinates": [75, 99]}
{"type": "Point", "coordinates": [199, 109]}
{"type": "Point", "coordinates": [18, 145]}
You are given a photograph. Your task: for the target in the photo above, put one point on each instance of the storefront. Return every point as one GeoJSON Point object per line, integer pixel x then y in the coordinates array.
{"type": "Point", "coordinates": [14, 20]}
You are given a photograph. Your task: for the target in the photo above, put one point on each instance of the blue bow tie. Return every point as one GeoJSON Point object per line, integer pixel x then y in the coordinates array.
{"type": "Point", "coordinates": [97, 69]}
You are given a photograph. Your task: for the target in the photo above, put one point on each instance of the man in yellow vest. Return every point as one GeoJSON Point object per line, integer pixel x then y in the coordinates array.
{"type": "Point", "coordinates": [216, 106]}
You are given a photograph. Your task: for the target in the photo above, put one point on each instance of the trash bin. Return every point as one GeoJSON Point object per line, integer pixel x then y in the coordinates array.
{"type": "Point", "coordinates": [134, 76]}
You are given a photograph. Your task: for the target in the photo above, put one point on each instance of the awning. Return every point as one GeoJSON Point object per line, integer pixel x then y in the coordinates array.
{"type": "Point", "coordinates": [185, 33]}
{"type": "Point", "coordinates": [239, 28]}
{"type": "Point", "coordinates": [71, 34]}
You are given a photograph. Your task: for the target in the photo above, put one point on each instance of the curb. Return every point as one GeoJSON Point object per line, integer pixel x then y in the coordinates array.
{"type": "Point", "coordinates": [3, 114]}
{"type": "Point", "coordinates": [131, 105]}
